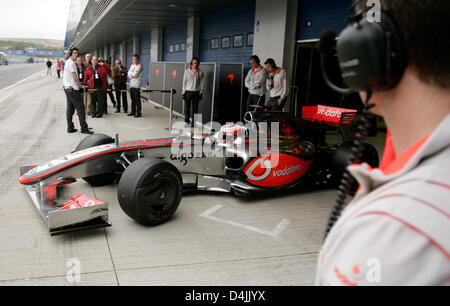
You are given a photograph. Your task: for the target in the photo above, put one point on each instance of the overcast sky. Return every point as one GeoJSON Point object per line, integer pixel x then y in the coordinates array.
{"type": "Point", "coordinates": [34, 18]}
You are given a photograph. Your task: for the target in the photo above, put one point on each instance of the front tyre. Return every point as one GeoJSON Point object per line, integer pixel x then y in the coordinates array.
{"type": "Point", "coordinates": [150, 191]}
{"type": "Point", "coordinates": [94, 141]}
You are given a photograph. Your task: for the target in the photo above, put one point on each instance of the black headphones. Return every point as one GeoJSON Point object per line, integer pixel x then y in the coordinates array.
{"type": "Point", "coordinates": [371, 54]}
{"type": "Point", "coordinates": [72, 49]}
{"type": "Point", "coordinates": [271, 62]}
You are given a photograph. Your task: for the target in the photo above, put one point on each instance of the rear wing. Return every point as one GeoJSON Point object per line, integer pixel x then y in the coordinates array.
{"type": "Point", "coordinates": [329, 115]}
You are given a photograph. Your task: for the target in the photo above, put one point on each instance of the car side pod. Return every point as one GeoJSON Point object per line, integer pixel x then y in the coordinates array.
{"type": "Point", "coordinates": [79, 213]}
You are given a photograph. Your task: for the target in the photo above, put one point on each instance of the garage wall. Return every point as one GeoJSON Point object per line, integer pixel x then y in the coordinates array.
{"type": "Point", "coordinates": [324, 14]}
{"type": "Point", "coordinates": [129, 53]}
{"type": "Point", "coordinates": [116, 52]}
{"type": "Point", "coordinates": [237, 20]}
{"type": "Point", "coordinates": [176, 34]}
{"type": "Point", "coordinates": [145, 43]}
{"type": "Point", "coordinates": [227, 23]}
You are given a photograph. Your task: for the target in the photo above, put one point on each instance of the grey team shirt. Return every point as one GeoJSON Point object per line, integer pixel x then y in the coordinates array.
{"type": "Point", "coordinates": [397, 229]}
{"type": "Point", "coordinates": [193, 80]}
{"type": "Point", "coordinates": [280, 84]}
{"type": "Point", "coordinates": [256, 81]}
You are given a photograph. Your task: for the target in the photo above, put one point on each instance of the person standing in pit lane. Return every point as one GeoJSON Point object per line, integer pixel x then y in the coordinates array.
{"type": "Point", "coordinates": [95, 78]}
{"type": "Point", "coordinates": [81, 69]}
{"type": "Point", "coordinates": [58, 69]}
{"type": "Point", "coordinates": [135, 74]}
{"type": "Point", "coordinates": [49, 67]}
{"type": "Point", "coordinates": [105, 65]}
{"type": "Point", "coordinates": [276, 84]}
{"type": "Point", "coordinates": [87, 63]}
{"type": "Point", "coordinates": [119, 74]}
{"type": "Point", "coordinates": [193, 82]}
{"type": "Point", "coordinates": [256, 83]}
{"type": "Point", "coordinates": [72, 88]}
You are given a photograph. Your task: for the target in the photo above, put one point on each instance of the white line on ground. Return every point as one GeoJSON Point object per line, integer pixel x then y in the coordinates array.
{"type": "Point", "coordinates": [135, 128]}
{"type": "Point", "coordinates": [21, 81]}
{"type": "Point", "coordinates": [278, 230]}
{"type": "Point", "coordinates": [6, 97]}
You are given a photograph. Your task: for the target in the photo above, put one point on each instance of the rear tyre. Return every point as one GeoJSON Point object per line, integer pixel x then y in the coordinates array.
{"type": "Point", "coordinates": [150, 191]}
{"type": "Point", "coordinates": [94, 141]}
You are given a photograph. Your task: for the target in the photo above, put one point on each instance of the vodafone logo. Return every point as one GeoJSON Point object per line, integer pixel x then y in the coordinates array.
{"type": "Point", "coordinates": [329, 113]}
{"type": "Point", "coordinates": [287, 171]}
{"type": "Point", "coordinates": [265, 164]}
{"type": "Point", "coordinates": [275, 170]}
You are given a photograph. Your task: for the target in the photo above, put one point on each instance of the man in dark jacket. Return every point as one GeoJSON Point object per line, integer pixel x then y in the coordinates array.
{"type": "Point", "coordinates": [49, 67]}
{"type": "Point", "coordinates": [95, 77]}
{"type": "Point", "coordinates": [81, 69]}
{"type": "Point", "coordinates": [119, 75]}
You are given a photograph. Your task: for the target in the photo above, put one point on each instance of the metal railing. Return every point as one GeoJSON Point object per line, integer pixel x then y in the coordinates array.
{"type": "Point", "coordinates": [171, 91]}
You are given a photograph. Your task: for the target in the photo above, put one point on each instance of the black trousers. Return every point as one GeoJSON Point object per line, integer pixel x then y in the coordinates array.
{"type": "Point", "coordinates": [255, 100]}
{"type": "Point", "coordinates": [272, 104]}
{"type": "Point", "coordinates": [98, 101]}
{"type": "Point", "coordinates": [121, 97]}
{"type": "Point", "coordinates": [191, 106]}
{"type": "Point", "coordinates": [111, 95]}
{"type": "Point", "coordinates": [136, 103]}
{"type": "Point", "coordinates": [75, 102]}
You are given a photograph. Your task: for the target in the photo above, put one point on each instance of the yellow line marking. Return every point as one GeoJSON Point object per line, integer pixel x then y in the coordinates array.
{"type": "Point", "coordinates": [6, 97]}
{"type": "Point", "coordinates": [52, 100]}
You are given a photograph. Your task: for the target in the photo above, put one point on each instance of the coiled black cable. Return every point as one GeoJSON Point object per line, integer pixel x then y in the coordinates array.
{"type": "Point", "coordinates": [355, 157]}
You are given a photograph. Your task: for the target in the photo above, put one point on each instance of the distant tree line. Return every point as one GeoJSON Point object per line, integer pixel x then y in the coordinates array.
{"type": "Point", "coordinates": [18, 45]}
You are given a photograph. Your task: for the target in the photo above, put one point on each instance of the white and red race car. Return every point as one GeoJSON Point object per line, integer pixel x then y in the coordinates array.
{"type": "Point", "coordinates": [153, 174]}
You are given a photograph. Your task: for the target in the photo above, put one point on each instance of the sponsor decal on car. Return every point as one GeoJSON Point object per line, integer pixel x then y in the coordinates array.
{"type": "Point", "coordinates": [275, 170]}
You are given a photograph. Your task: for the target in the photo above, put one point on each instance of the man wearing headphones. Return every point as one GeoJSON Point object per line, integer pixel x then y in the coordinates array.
{"type": "Point", "coordinates": [193, 81]}
{"type": "Point", "coordinates": [72, 88]}
{"type": "Point", "coordinates": [277, 85]}
{"type": "Point", "coordinates": [396, 229]}
{"type": "Point", "coordinates": [256, 83]}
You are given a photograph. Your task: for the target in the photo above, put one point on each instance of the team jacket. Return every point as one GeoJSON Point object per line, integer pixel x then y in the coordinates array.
{"type": "Point", "coordinates": [193, 80]}
{"type": "Point", "coordinates": [256, 81]}
{"type": "Point", "coordinates": [89, 76]}
{"type": "Point", "coordinates": [135, 74]}
{"type": "Point", "coordinates": [280, 79]}
{"type": "Point", "coordinates": [397, 229]}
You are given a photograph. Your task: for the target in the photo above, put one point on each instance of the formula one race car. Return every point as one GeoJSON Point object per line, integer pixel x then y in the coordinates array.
{"type": "Point", "coordinates": [153, 174]}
